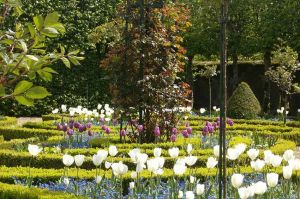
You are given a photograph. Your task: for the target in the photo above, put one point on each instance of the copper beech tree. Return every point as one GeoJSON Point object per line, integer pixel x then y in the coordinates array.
{"type": "Point", "coordinates": [143, 66]}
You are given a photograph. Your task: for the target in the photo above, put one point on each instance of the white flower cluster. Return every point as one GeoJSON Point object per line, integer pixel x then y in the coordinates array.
{"type": "Point", "coordinates": [281, 111]}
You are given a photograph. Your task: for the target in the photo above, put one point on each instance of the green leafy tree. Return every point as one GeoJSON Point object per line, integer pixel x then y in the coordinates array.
{"type": "Point", "coordinates": [24, 56]}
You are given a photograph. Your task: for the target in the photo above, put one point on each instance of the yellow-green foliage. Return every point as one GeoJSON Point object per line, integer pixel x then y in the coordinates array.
{"type": "Point", "coordinates": [8, 121]}
{"type": "Point", "coordinates": [20, 133]}
{"type": "Point", "coordinates": [238, 140]}
{"type": "Point", "coordinates": [8, 191]}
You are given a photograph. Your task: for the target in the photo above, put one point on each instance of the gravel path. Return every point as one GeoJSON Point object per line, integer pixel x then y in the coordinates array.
{"type": "Point", "coordinates": [23, 120]}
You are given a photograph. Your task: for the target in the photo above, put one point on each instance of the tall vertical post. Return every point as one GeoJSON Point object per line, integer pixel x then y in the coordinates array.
{"type": "Point", "coordinates": [223, 101]}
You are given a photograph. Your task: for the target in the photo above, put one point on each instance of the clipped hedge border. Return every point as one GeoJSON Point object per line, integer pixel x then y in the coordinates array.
{"type": "Point", "coordinates": [8, 191]}
{"type": "Point", "coordinates": [10, 133]}
{"type": "Point", "coordinates": [8, 121]}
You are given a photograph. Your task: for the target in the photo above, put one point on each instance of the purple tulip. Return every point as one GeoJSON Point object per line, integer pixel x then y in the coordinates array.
{"type": "Point", "coordinates": [107, 130]}
{"type": "Point", "coordinates": [189, 130]}
{"type": "Point", "coordinates": [71, 125]}
{"type": "Point", "coordinates": [82, 128]}
{"type": "Point", "coordinates": [115, 122]}
{"type": "Point", "coordinates": [211, 129]}
{"type": "Point", "coordinates": [72, 121]}
{"type": "Point", "coordinates": [59, 126]}
{"type": "Point", "coordinates": [89, 125]}
{"type": "Point", "coordinates": [156, 131]}
{"type": "Point", "coordinates": [230, 122]}
{"type": "Point", "coordinates": [123, 133]}
{"type": "Point", "coordinates": [90, 133]}
{"type": "Point", "coordinates": [204, 131]}
{"type": "Point", "coordinates": [65, 128]}
{"type": "Point", "coordinates": [185, 133]}
{"type": "Point", "coordinates": [102, 121]}
{"type": "Point", "coordinates": [187, 124]}
{"type": "Point", "coordinates": [173, 138]}
{"type": "Point", "coordinates": [174, 130]}
{"type": "Point", "coordinates": [77, 125]}
{"type": "Point", "coordinates": [207, 123]}
{"type": "Point", "coordinates": [70, 132]}
{"type": "Point", "coordinates": [103, 127]}
{"type": "Point", "coordinates": [140, 128]}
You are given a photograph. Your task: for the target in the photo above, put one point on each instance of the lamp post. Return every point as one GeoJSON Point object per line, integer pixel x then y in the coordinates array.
{"type": "Point", "coordinates": [223, 100]}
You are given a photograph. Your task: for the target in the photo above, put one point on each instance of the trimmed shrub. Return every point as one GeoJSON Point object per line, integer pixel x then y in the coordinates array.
{"type": "Point", "coordinates": [243, 103]}
{"type": "Point", "coordinates": [20, 133]}
{"type": "Point", "coordinates": [8, 121]}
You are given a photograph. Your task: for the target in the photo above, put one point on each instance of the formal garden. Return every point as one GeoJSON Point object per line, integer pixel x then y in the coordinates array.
{"type": "Point", "coordinates": [149, 99]}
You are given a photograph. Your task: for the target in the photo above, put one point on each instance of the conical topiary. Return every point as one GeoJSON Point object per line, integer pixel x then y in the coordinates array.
{"type": "Point", "coordinates": [243, 103]}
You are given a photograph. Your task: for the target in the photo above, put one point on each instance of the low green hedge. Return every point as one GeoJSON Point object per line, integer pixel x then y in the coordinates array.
{"type": "Point", "coordinates": [8, 121]}
{"type": "Point", "coordinates": [10, 133]}
{"type": "Point", "coordinates": [9, 191]}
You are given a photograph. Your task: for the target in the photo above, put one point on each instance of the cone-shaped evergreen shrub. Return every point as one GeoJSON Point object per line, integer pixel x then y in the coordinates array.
{"type": "Point", "coordinates": [243, 103]}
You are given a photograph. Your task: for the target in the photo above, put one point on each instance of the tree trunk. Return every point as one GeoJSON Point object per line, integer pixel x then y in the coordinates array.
{"type": "Point", "coordinates": [209, 85]}
{"type": "Point", "coordinates": [235, 67]}
{"type": "Point", "coordinates": [285, 107]}
{"type": "Point", "coordinates": [266, 83]}
{"type": "Point", "coordinates": [189, 75]}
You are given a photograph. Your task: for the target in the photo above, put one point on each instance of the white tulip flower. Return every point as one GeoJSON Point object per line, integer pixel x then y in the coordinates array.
{"type": "Point", "coordinates": [79, 159]}
{"type": "Point", "coordinates": [214, 108]}
{"type": "Point", "coordinates": [192, 179]}
{"type": "Point", "coordinates": [189, 149]}
{"type": "Point", "coordinates": [240, 148]}
{"type": "Point", "coordinates": [260, 188]}
{"type": "Point", "coordinates": [98, 179]}
{"type": "Point", "coordinates": [180, 194]}
{"type": "Point", "coordinates": [119, 169]}
{"type": "Point", "coordinates": [112, 150]}
{"type": "Point", "coordinates": [97, 159]}
{"type": "Point", "coordinates": [232, 153]}
{"type": "Point", "coordinates": [288, 155]}
{"type": "Point", "coordinates": [174, 152]}
{"type": "Point", "coordinates": [243, 192]}
{"type": "Point", "coordinates": [157, 152]}
{"type": "Point", "coordinates": [179, 169]}
{"type": "Point", "coordinates": [55, 111]}
{"type": "Point", "coordinates": [133, 154]}
{"type": "Point", "coordinates": [272, 179]}
{"type": "Point", "coordinates": [34, 150]}
{"type": "Point", "coordinates": [276, 160]}
{"type": "Point", "coordinates": [257, 165]}
{"type": "Point", "coordinates": [251, 190]}
{"type": "Point", "coordinates": [66, 181]}
{"type": "Point", "coordinates": [200, 188]}
{"type": "Point", "coordinates": [295, 164]}
{"type": "Point", "coordinates": [287, 172]}
{"type": "Point", "coordinates": [68, 160]}
{"type": "Point", "coordinates": [202, 110]}
{"type": "Point", "coordinates": [268, 155]}
{"type": "Point", "coordinates": [131, 185]}
{"type": "Point", "coordinates": [217, 150]}
{"type": "Point", "coordinates": [211, 162]}
{"type": "Point", "coordinates": [133, 175]}
{"type": "Point", "coordinates": [253, 153]}
{"type": "Point", "coordinates": [190, 160]}
{"type": "Point", "coordinates": [63, 108]}
{"type": "Point", "coordinates": [237, 180]}
{"type": "Point", "coordinates": [189, 195]}
{"type": "Point", "coordinates": [107, 164]}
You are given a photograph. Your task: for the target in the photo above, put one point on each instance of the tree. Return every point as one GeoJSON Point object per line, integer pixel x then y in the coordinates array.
{"type": "Point", "coordinates": [283, 76]}
{"type": "Point", "coordinates": [143, 65]}
{"type": "Point", "coordinates": [24, 55]}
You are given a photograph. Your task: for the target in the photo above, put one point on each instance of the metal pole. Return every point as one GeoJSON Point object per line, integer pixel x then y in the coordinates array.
{"type": "Point", "coordinates": [223, 100]}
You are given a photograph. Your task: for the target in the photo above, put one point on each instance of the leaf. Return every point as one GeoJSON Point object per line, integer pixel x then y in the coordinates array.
{"type": "Point", "coordinates": [60, 27]}
{"type": "Point", "coordinates": [66, 62]}
{"type": "Point", "coordinates": [51, 19]}
{"type": "Point", "coordinates": [24, 100]}
{"type": "Point", "coordinates": [2, 91]}
{"type": "Point", "coordinates": [74, 60]}
{"type": "Point", "coordinates": [45, 75]}
{"type": "Point", "coordinates": [24, 46]}
{"type": "Point", "coordinates": [31, 30]}
{"type": "Point", "coordinates": [32, 57]}
{"type": "Point", "coordinates": [50, 32]}
{"type": "Point", "coordinates": [75, 52]}
{"type": "Point", "coordinates": [49, 70]}
{"type": "Point", "coordinates": [62, 49]}
{"type": "Point", "coordinates": [22, 86]}
{"type": "Point", "coordinates": [37, 92]}
{"type": "Point", "coordinates": [39, 22]}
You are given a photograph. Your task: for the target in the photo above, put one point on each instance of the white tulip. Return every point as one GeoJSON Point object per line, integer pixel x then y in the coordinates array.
{"type": "Point", "coordinates": [99, 158]}
{"type": "Point", "coordinates": [79, 159]}
{"type": "Point", "coordinates": [287, 172]}
{"type": "Point", "coordinates": [133, 175]}
{"type": "Point", "coordinates": [257, 165]}
{"type": "Point", "coordinates": [237, 180]}
{"type": "Point", "coordinates": [98, 179]}
{"type": "Point", "coordinates": [253, 153]}
{"type": "Point", "coordinates": [102, 154]}
{"type": "Point", "coordinates": [214, 107]}
{"type": "Point", "coordinates": [180, 194]}
{"type": "Point", "coordinates": [188, 108]}
{"type": "Point", "coordinates": [288, 155]}
{"type": "Point", "coordinates": [152, 165]}
{"type": "Point", "coordinates": [68, 160]}
{"type": "Point", "coordinates": [119, 169]}
{"type": "Point", "coordinates": [243, 192]}
{"type": "Point", "coordinates": [240, 148]}
{"type": "Point", "coordinates": [140, 167]}
{"type": "Point", "coordinates": [63, 108]}
{"type": "Point", "coordinates": [192, 179]}
{"type": "Point", "coordinates": [276, 160]}
{"type": "Point", "coordinates": [217, 150]}
{"type": "Point", "coordinates": [218, 109]}
{"type": "Point", "coordinates": [107, 164]}
{"type": "Point", "coordinates": [189, 195]}
{"type": "Point", "coordinates": [268, 155]}
{"type": "Point", "coordinates": [190, 160]}
{"type": "Point", "coordinates": [260, 188]}
{"type": "Point", "coordinates": [251, 190]}
{"type": "Point", "coordinates": [157, 152]}
{"type": "Point", "coordinates": [272, 179]}
{"type": "Point", "coordinates": [55, 111]}
{"type": "Point", "coordinates": [232, 153]}
{"type": "Point", "coordinates": [189, 149]}
{"type": "Point", "coordinates": [179, 169]}
{"type": "Point", "coordinates": [202, 110]}
{"type": "Point", "coordinates": [131, 185]}
{"type": "Point", "coordinates": [112, 150]}
{"type": "Point", "coordinates": [99, 106]}
{"type": "Point", "coordinates": [133, 154]}
{"type": "Point", "coordinates": [141, 158]}
{"type": "Point", "coordinates": [174, 152]}
{"type": "Point", "coordinates": [200, 188]}
{"type": "Point", "coordinates": [34, 150]}
{"type": "Point", "coordinates": [211, 162]}
{"type": "Point", "coordinates": [295, 164]}
{"type": "Point", "coordinates": [66, 181]}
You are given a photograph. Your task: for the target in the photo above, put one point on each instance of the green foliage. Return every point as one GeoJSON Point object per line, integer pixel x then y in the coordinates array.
{"type": "Point", "coordinates": [8, 121]}
{"type": "Point", "coordinates": [17, 133]}
{"type": "Point", "coordinates": [8, 191]}
{"type": "Point", "coordinates": [243, 103]}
